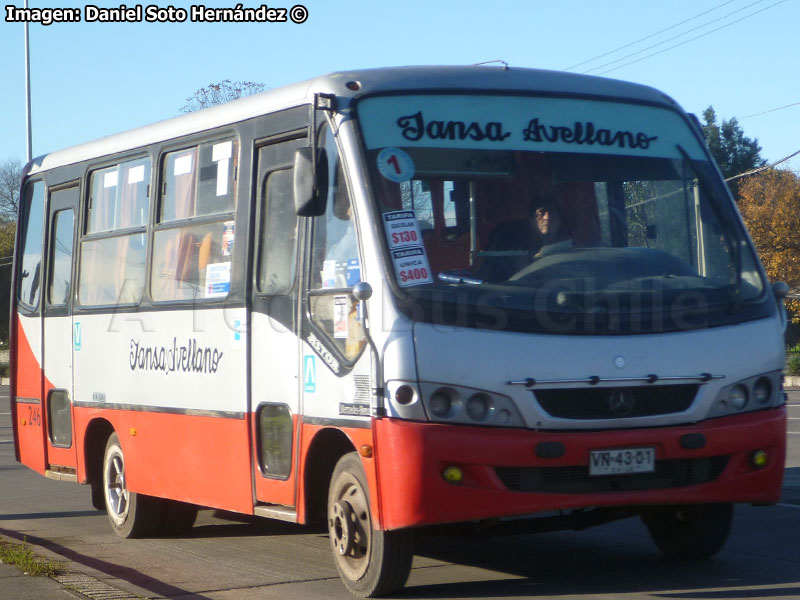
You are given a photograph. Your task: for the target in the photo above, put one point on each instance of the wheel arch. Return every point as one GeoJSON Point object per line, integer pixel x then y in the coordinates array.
{"type": "Point", "coordinates": [94, 445]}
{"type": "Point", "coordinates": [324, 451]}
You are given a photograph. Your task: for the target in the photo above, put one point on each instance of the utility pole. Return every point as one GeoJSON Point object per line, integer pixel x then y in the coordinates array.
{"type": "Point", "coordinates": [28, 87]}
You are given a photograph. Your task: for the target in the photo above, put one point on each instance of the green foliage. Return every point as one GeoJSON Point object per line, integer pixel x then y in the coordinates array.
{"type": "Point", "coordinates": [21, 556]}
{"type": "Point", "coordinates": [734, 152]}
{"type": "Point", "coordinates": [793, 364]}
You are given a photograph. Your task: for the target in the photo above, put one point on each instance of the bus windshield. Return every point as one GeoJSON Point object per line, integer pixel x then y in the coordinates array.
{"type": "Point", "coordinates": [554, 215]}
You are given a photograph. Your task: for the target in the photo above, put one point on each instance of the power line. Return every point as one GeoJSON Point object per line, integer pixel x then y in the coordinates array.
{"type": "Point", "coordinates": [764, 168]}
{"type": "Point", "coordinates": [688, 31]}
{"type": "Point", "coordinates": [650, 36]}
{"type": "Point", "coordinates": [694, 38]}
{"type": "Point", "coordinates": [771, 110]}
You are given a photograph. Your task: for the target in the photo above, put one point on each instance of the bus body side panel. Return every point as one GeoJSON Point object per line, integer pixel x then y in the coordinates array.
{"type": "Point", "coordinates": [413, 456]}
{"type": "Point", "coordinates": [29, 422]}
{"type": "Point", "coordinates": [172, 383]}
{"type": "Point", "coordinates": [197, 459]}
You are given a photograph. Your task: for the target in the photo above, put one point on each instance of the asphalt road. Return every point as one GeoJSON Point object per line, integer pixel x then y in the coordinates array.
{"type": "Point", "coordinates": [231, 558]}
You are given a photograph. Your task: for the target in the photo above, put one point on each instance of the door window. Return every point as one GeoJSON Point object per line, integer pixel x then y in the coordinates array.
{"type": "Point", "coordinates": [61, 258]}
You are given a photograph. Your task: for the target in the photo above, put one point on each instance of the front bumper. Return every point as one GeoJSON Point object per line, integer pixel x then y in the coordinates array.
{"type": "Point", "coordinates": [503, 475]}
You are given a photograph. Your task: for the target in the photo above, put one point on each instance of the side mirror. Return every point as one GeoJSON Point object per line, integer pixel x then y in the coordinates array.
{"type": "Point", "coordinates": [780, 289]}
{"type": "Point", "coordinates": [310, 183]}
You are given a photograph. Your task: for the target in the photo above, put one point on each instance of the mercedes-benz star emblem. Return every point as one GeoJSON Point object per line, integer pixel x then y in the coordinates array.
{"type": "Point", "coordinates": [621, 402]}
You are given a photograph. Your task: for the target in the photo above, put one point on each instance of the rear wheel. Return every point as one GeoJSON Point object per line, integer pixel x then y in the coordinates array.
{"type": "Point", "coordinates": [131, 515]}
{"type": "Point", "coordinates": [690, 532]}
{"type": "Point", "coordinates": [370, 562]}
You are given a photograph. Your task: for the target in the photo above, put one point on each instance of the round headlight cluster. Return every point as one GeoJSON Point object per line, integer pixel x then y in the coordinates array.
{"type": "Point", "coordinates": [750, 394]}
{"type": "Point", "coordinates": [448, 403]}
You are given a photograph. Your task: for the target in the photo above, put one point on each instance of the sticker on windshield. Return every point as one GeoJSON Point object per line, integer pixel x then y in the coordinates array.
{"type": "Point", "coordinates": [402, 229]}
{"type": "Point", "coordinates": [405, 244]}
{"type": "Point", "coordinates": [340, 317]}
{"type": "Point", "coordinates": [411, 266]}
{"type": "Point", "coordinates": [395, 164]}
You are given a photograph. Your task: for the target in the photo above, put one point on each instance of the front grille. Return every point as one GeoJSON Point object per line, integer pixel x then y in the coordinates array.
{"type": "Point", "coordinates": [576, 480]}
{"type": "Point", "coordinates": [616, 403]}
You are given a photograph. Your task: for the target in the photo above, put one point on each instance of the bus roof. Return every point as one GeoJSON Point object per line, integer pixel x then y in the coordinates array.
{"type": "Point", "coordinates": [388, 79]}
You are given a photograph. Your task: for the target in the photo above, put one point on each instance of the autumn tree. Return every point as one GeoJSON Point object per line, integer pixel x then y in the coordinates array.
{"type": "Point", "coordinates": [734, 152]}
{"type": "Point", "coordinates": [219, 93]}
{"type": "Point", "coordinates": [770, 205]}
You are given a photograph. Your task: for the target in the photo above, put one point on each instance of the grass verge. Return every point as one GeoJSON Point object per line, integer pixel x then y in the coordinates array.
{"type": "Point", "coordinates": [26, 560]}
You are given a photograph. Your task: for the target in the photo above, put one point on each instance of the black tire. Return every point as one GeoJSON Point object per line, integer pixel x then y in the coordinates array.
{"type": "Point", "coordinates": [131, 515]}
{"type": "Point", "coordinates": [689, 532]}
{"type": "Point", "coordinates": [177, 518]}
{"type": "Point", "coordinates": [370, 562]}
{"type": "Point", "coordinates": [98, 497]}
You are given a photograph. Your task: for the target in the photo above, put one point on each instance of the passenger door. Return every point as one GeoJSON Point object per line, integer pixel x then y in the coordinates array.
{"type": "Point", "coordinates": [59, 337]}
{"type": "Point", "coordinates": [275, 385]}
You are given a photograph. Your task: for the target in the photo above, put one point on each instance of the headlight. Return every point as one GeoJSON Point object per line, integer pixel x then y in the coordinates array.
{"type": "Point", "coordinates": [440, 402]}
{"type": "Point", "coordinates": [739, 397]}
{"type": "Point", "coordinates": [751, 394]}
{"type": "Point", "coordinates": [762, 391]}
{"type": "Point", "coordinates": [478, 407]}
{"type": "Point", "coordinates": [456, 404]}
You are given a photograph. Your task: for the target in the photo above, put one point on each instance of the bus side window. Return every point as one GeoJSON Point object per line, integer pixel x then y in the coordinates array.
{"type": "Point", "coordinates": [61, 259]}
{"type": "Point", "coordinates": [193, 261]}
{"type": "Point", "coordinates": [112, 256]}
{"type": "Point", "coordinates": [29, 277]}
{"type": "Point", "coordinates": [279, 235]}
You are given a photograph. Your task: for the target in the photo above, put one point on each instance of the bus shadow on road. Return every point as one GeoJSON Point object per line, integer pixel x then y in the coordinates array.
{"type": "Point", "coordinates": [219, 523]}
{"type": "Point", "coordinates": [612, 559]}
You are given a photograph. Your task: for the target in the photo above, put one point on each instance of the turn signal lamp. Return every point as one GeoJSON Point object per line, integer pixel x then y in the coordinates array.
{"type": "Point", "coordinates": [404, 395]}
{"type": "Point", "coordinates": [453, 475]}
{"type": "Point", "coordinates": [758, 459]}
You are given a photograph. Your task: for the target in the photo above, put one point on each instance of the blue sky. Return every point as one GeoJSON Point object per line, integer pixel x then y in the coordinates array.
{"type": "Point", "coordinates": [94, 79]}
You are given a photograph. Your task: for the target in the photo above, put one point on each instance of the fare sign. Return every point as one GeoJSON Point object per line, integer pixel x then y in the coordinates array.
{"type": "Point", "coordinates": [405, 245]}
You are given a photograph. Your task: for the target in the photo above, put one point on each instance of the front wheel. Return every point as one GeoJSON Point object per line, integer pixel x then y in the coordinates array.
{"type": "Point", "coordinates": [689, 532]}
{"type": "Point", "coordinates": [370, 562]}
{"type": "Point", "coordinates": [131, 515]}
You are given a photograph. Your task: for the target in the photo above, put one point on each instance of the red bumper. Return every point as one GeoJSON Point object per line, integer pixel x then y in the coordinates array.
{"type": "Point", "coordinates": [412, 456]}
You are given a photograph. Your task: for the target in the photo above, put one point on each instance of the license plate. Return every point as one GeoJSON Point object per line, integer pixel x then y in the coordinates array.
{"type": "Point", "coordinates": [621, 462]}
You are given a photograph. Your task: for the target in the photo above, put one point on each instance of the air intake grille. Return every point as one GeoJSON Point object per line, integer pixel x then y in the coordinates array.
{"type": "Point", "coordinates": [616, 403]}
{"type": "Point", "coordinates": [576, 480]}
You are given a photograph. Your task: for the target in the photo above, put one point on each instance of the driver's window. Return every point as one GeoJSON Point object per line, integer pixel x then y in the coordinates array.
{"type": "Point", "coordinates": [335, 263]}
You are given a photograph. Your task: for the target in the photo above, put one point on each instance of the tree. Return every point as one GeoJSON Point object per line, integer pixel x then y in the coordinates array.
{"type": "Point", "coordinates": [10, 177]}
{"type": "Point", "coordinates": [7, 232]}
{"type": "Point", "coordinates": [734, 152]}
{"type": "Point", "coordinates": [219, 93]}
{"type": "Point", "coordinates": [770, 205]}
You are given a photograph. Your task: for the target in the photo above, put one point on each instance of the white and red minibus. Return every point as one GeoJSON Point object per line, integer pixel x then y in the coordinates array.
{"type": "Point", "coordinates": [392, 298]}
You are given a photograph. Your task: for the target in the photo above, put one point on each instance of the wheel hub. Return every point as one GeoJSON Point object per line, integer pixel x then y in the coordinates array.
{"type": "Point", "coordinates": [342, 526]}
